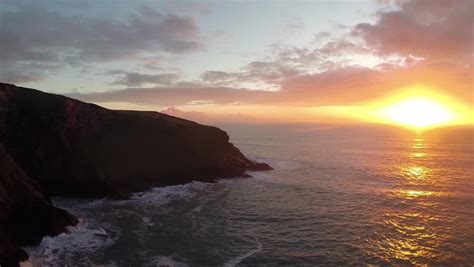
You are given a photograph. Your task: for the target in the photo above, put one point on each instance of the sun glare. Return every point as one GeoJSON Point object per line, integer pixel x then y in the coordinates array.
{"type": "Point", "coordinates": [418, 112]}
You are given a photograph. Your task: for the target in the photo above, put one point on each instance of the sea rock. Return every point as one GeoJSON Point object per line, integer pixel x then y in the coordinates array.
{"type": "Point", "coordinates": [260, 166]}
{"type": "Point", "coordinates": [78, 149]}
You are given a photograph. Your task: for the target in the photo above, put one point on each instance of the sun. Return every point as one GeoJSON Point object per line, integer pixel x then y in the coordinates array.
{"type": "Point", "coordinates": [418, 112]}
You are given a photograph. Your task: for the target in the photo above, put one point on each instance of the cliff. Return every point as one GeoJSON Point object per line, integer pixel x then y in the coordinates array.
{"type": "Point", "coordinates": [77, 149]}
{"type": "Point", "coordinates": [54, 145]}
{"type": "Point", "coordinates": [26, 214]}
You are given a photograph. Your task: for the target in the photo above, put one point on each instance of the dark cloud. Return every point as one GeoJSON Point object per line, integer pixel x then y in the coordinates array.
{"type": "Point", "coordinates": [217, 77]}
{"type": "Point", "coordinates": [270, 72]}
{"type": "Point", "coordinates": [266, 72]}
{"type": "Point", "coordinates": [22, 72]}
{"type": "Point", "coordinates": [17, 76]}
{"type": "Point", "coordinates": [30, 32]}
{"type": "Point", "coordinates": [138, 79]}
{"type": "Point", "coordinates": [179, 95]}
{"type": "Point", "coordinates": [34, 33]}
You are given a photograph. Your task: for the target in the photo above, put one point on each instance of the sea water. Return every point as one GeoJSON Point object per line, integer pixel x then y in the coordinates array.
{"type": "Point", "coordinates": [351, 195]}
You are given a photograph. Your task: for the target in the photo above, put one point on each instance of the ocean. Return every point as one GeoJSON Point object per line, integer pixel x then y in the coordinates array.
{"type": "Point", "coordinates": [339, 195]}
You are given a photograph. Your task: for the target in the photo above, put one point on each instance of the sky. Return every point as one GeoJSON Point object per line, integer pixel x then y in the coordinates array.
{"type": "Point", "coordinates": [244, 61]}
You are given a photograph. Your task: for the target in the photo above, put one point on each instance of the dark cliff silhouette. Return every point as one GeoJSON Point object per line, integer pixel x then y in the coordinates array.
{"type": "Point", "coordinates": [54, 145]}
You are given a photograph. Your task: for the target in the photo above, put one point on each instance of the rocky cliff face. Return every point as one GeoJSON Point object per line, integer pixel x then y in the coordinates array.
{"type": "Point", "coordinates": [77, 149]}
{"type": "Point", "coordinates": [55, 145]}
{"type": "Point", "coordinates": [26, 214]}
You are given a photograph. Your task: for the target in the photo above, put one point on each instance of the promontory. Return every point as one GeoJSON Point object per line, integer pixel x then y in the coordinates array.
{"type": "Point", "coordinates": [51, 145]}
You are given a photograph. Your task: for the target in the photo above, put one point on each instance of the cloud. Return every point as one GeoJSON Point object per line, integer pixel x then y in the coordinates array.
{"type": "Point", "coordinates": [15, 76]}
{"type": "Point", "coordinates": [428, 29]}
{"type": "Point", "coordinates": [415, 42]}
{"type": "Point", "coordinates": [33, 32]}
{"type": "Point", "coordinates": [342, 86]}
{"type": "Point", "coordinates": [339, 86]}
{"type": "Point", "coordinates": [342, 46]}
{"type": "Point", "coordinates": [189, 7]}
{"type": "Point", "coordinates": [287, 62]}
{"type": "Point", "coordinates": [219, 77]}
{"type": "Point", "coordinates": [180, 94]}
{"type": "Point", "coordinates": [265, 74]}
{"type": "Point", "coordinates": [26, 71]}
{"type": "Point", "coordinates": [138, 79]}
{"type": "Point", "coordinates": [428, 42]}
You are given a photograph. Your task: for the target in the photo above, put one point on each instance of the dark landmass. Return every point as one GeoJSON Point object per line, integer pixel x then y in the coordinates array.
{"type": "Point", "coordinates": [51, 145]}
{"type": "Point", "coordinates": [26, 214]}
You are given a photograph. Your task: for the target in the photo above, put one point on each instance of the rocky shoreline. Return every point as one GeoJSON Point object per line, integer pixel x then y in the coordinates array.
{"type": "Point", "coordinates": [51, 145]}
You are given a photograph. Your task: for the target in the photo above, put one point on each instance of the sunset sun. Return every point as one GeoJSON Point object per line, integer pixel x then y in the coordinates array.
{"type": "Point", "coordinates": [418, 112]}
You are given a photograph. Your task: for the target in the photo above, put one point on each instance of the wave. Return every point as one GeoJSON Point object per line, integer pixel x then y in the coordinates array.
{"type": "Point", "coordinates": [81, 240]}
{"type": "Point", "coordinates": [238, 259]}
{"type": "Point", "coordinates": [168, 261]}
{"type": "Point", "coordinates": [92, 234]}
{"type": "Point", "coordinates": [159, 196]}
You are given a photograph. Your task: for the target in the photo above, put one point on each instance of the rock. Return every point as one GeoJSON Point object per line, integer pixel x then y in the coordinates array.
{"type": "Point", "coordinates": [259, 166]}
{"type": "Point", "coordinates": [10, 254]}
{"type": "Point", "coordinates": [26, 214]}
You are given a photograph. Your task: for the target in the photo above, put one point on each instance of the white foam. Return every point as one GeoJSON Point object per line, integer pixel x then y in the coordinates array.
{"type": "Point", "coordinates": [261, 175]}
{"type": "Point", "coordinates": [159, 196]}
{"type": "Point", "coordinates": [168, 261]}
{"type": "Point", "coordinates": [82, 239]}
{"type": "Point", "coordinates": [78, 204]}
{"type": "Point", "coordinates": [89, 236]}
{"type": "Point", "coordinates": [238, 259]}
{"type": "Point", "coordinates": [147, 221]}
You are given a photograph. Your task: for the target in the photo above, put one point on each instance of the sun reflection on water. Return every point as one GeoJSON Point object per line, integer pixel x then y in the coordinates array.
{"type": "Point", "coordinates": [413, 238]}
{"type": "Point", "coordinates": [408, 228]}
{"type": "Point", "coordinates": [418, 155]}
{"type": "Point", "coordinates": [415, 172]}
{"type": "Point", "coordinates": [418, 146]}
{"type": "Point", "coordinates": [414, 193]}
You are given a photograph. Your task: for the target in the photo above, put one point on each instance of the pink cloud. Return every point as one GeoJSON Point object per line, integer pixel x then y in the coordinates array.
{"type": "Point", "coordinates": [430, 29]}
